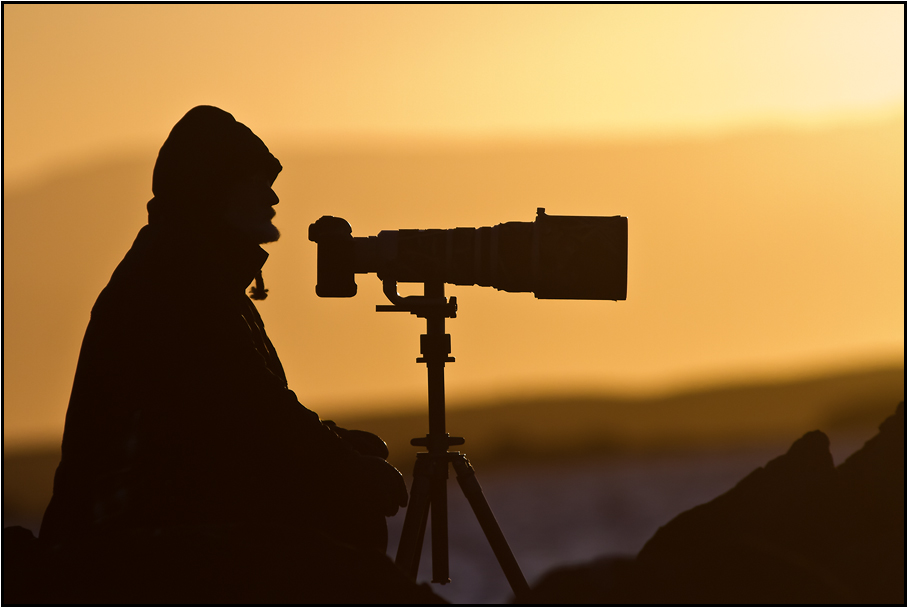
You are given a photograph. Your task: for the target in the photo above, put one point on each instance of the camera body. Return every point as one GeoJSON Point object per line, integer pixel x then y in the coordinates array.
{"type": "Point", "coordinates": [555, 257]}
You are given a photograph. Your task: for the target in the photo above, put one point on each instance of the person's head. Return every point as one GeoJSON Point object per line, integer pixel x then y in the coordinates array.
{"type": "Point", "coordinates": [213, 171]}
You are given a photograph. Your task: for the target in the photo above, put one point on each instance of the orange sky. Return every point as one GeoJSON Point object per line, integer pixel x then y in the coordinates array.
{"type": "Point", "coordinates": [87, 84]}
{"type": "Point", "coordinates": [84, 79]}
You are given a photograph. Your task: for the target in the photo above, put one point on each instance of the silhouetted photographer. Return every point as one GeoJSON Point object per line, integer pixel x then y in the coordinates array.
{"type": "Point", "coordinates": [190, 472]}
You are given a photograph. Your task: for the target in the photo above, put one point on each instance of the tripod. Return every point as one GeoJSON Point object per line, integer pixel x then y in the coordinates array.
{"type": "Point", "coordinates": [430, 474]}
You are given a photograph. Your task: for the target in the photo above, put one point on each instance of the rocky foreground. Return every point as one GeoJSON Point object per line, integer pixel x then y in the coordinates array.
{"type": "Point", "coordinates": [797, 531]}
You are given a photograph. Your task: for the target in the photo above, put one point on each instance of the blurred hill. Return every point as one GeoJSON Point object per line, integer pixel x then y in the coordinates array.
{"type": "Point", "coordinates": [716, 419]}
{"type": "Point", "coordinates": [769, 252]}
{"type": "Point", "coordinates": [573, 427]}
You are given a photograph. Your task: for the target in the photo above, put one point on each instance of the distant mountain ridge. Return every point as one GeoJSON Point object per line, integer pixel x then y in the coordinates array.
{"type": "Point", "coordinates": [719, 418]}
{"type": "Point", "coordinates": [572, 427]}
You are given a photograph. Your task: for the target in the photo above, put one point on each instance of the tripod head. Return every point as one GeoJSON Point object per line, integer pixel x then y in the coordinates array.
{"type": "Point", "coordinates": [435, 347]}
{"type": "Point", "coordinates": [431, 303]}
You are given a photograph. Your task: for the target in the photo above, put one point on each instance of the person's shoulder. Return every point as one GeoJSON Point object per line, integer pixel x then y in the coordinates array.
{"type": "Point", "coordinates": [141, 279]}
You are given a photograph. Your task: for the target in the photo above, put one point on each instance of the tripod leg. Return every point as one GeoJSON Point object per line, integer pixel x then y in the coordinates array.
{"type": "Point", "coordinates": [440, 522]}
{"type": "Point", "coordinates": [466, 477]}
{"type": "Point", "coordinates": [413, 533]}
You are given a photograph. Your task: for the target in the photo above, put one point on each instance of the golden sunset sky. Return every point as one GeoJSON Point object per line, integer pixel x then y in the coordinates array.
{"type": "Point", "coordinates": [437, 116]}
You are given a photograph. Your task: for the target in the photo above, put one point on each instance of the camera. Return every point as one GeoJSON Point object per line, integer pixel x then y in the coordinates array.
{"type": "Point", "coordinates": [554, 257]}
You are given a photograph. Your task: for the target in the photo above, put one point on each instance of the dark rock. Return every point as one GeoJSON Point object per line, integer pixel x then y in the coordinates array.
{"type": "Point", "coordinates": [19, 544]}
{"type": "Point", "coordinates": [797, 531]}
{"type": "Point", "coordinates": [868, 516]}
{"type": "Point", "coordinates": [748, 543]}
{"type": "Point", "coordinates": [207, 565]}
{"type": "Point", "coordinates": [583, 583]}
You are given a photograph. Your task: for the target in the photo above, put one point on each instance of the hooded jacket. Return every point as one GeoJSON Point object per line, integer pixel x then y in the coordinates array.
{"type": "Point", "coordinates": [180, 412]}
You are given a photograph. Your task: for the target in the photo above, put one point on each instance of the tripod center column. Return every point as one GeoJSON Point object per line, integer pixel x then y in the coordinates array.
{"type": "Point", "coordinates": [435, 346]}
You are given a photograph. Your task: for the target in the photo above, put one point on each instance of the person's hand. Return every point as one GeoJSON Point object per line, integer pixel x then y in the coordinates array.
{"type": "Point", "coordinates": [367, 444]}
{"type": "Point", "coordinates": [380, 483]}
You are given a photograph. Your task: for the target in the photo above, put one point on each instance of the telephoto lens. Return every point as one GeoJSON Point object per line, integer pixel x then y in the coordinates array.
{"type": "Point", "coordinates": [554, 257]}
